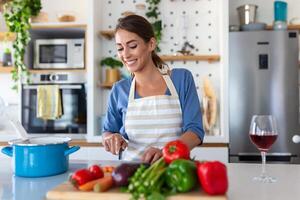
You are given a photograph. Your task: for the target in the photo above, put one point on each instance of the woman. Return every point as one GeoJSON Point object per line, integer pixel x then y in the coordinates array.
{"type": "Point", "coordinates": [153, 107]}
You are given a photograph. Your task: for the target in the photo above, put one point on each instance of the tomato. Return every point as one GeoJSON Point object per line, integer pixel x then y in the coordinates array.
{"type": "Point", "coordinates": [81, 176]}
{"type": "Point", "coordinates": [96, 171]}
{"type": "Point", "coordinates": [175, 150]}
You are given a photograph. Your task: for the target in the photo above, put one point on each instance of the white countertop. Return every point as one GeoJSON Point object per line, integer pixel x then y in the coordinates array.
{"type": "Point", "coordinates": [241, 186]}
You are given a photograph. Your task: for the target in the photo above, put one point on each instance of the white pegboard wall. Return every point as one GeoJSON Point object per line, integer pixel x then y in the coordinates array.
{"type": "Point", "coordinates": [194, 21]}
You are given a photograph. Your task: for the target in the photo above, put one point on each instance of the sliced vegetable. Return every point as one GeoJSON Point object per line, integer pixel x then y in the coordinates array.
{"type": "Point", "coordinates": [108, 169]}
{"type": "Point", "coordinates": [89, 185]}
{"type": "Point", "coordinates": [103, 184]}
{"type": "Point", "coordinates": [96, 171]}
{"type": "Point", "coordinates": [181, 175]}
{"type": "Point", "coordinates": [123, 172]}
{"type": "Point", "coordinates": [213, 177]}
{"type": "Point", "coordinates": [81, 177]}
{"type": "Point", "coordinates": [175, 150]}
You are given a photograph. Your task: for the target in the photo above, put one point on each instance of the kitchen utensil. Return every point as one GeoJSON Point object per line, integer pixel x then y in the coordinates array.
{"type": "Point", "coordinates": [247, 13]}
{"type": "Point", "coordinates": [254, 27]}
{"type": "Point", "coordinates": [280, 11]}
{"type": "Point", "coordinates": [19, 129]}
{"type": "Point", "coordinates": [263, 133]}
{"type": "Point", "coordinates": [120, 154]}
{"type": "Point", "coordinates": [40, 156]}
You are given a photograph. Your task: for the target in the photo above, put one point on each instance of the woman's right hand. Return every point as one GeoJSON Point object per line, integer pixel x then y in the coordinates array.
{"type": "Point", "coordinates": [114, 142]}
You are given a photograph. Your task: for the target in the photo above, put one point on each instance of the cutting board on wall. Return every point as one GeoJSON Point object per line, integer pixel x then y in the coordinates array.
{"type": "Point", "coordinates": [66, 191]}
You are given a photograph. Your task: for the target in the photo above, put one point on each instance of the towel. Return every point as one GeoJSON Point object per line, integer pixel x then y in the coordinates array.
{"type": "Point", "coordinates": [49, 104]}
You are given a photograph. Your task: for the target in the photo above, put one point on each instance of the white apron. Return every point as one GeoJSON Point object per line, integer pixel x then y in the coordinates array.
{"type": "Point", "coordinates": [152, 121]}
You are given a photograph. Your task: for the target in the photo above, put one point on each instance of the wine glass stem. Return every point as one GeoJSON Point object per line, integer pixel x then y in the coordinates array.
{"type": "Point", "coordinates": [263, 158]}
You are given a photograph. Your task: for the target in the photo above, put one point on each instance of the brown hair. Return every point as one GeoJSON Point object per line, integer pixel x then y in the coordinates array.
{"type": "Point", "coordinates": [140, 26]}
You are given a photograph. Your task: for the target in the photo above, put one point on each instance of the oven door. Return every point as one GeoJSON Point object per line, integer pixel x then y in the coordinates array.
{"type": "Point", "coordinates": [73, 120]}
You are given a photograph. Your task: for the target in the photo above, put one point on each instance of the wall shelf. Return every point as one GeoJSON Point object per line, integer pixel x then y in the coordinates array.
{"type": "Point", "coordinates": [5, 69]}
{"type": "Point", "coordinates": [290, 27]}
{"type": "Point", "coordinates": [108, 34]}
{"type": "Point", "coordinates": [8, 36]}
{"type": "Point", "coordinates": [105, 85]}
{"type": "Point", "coordinates": [57, 25]}
{"type": "Point", "coordinates": [209, 58]}
{"type": "Point", "coordinates": [40, 71]}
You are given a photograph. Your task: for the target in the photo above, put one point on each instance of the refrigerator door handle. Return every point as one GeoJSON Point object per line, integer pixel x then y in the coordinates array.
{"type": "Point", "coordinates": [296, 139]}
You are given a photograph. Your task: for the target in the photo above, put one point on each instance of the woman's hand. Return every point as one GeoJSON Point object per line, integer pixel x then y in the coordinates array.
{"type": "Point", "coordinates": [151, 155]}
{"type": "Point", "coordinates": [114, 142]}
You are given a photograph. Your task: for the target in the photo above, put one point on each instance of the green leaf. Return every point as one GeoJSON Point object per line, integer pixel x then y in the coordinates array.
{"type": "Point", "coordinates": [17, 14]}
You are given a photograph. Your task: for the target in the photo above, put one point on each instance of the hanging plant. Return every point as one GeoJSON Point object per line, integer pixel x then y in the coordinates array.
{"type": "Point", "coordinates": [153, 15]}
{"type": "Point", "coordinates": [17, 14]}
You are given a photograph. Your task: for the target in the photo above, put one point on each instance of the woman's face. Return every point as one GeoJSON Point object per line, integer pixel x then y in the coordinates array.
{"type": "Point", "coordinates": [133, 51]}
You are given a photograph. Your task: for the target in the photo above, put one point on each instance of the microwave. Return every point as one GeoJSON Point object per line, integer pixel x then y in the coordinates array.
{"type": "Point", "coordinates": [59, 54]}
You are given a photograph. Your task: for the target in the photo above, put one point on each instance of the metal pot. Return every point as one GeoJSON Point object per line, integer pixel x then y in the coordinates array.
{"type": "Point", "coordinates": [247, 13]}
{"type": "Point", "coordinates": [40, 156]}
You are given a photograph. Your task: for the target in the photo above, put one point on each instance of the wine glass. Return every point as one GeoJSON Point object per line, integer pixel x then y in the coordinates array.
{"type": "Point", "coordinates": [263, 133]}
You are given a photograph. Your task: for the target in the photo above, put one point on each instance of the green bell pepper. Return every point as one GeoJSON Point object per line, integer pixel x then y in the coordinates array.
{"type": "Point", "coordinates": [181, 175]}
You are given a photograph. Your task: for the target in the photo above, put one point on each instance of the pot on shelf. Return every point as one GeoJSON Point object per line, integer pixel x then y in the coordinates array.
{"type": "Point", "coordinates": [247, 13]}
{"type": "Point", "coordinates": [40, 156]}
{"type": "Point", "coordinates": [112, 75]}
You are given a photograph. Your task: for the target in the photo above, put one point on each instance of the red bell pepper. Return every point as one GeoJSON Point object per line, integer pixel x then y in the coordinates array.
{"type": "Point", "coordinates": [81, 177]}
{"type": "Point", "coordinates": [212, 176]}
{"type": "Point", "coordinates": [175, 150]}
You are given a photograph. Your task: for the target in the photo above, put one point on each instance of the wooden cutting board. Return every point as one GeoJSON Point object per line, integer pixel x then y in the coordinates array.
{"type": "Point", "coordinates": [66, 191]}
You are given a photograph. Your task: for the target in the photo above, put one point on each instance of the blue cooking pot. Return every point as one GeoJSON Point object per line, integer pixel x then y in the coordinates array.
{"type": "Point", "coordinates": [40, 156]}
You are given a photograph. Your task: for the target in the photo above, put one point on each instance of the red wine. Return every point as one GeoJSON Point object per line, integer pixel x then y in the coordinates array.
{"type": "Point", "coordinates": [263, 142]}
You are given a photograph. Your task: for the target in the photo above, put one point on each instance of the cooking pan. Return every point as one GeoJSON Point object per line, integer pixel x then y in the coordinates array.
{"type": "Point", "coordinates": [40, 156]}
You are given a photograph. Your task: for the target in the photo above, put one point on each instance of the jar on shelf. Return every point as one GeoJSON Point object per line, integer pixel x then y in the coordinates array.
{"type": "Point", "coordinates": [140, 9]}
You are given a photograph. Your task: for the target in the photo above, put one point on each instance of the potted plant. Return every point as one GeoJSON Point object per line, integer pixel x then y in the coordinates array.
{"type": "Point", "coordinates": [6, 59]}
{"type": "Point", "coordinates": [17, 15]}
{"type": "Point", "coordinates": [112, 73]}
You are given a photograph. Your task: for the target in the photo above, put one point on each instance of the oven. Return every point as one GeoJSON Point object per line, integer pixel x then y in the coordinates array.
{"type": "Point", "coordinates": [73, 99]}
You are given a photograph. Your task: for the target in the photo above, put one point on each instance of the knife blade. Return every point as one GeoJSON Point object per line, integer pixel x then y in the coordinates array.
{"type": "Point", "coordinates": [120, 154]}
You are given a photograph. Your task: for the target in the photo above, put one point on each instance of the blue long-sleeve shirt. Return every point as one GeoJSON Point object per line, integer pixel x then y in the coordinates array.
{"type": "Point", "coordinates": [188, 97]}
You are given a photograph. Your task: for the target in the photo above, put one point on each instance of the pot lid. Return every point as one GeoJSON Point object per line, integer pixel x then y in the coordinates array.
{"type": "Point", "coordinates": [36, 141]}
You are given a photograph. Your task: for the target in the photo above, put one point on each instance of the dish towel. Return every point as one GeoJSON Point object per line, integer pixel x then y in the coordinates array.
{"type": "Point", "coordinates": [49, 106]}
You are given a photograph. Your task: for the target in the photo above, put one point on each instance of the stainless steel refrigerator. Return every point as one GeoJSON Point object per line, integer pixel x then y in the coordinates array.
{"type": "Point", "coordinates": [263, 79]}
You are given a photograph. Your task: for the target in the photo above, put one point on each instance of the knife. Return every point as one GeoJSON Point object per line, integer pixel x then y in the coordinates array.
{"type": "Point", "coordinates": [120, 154]}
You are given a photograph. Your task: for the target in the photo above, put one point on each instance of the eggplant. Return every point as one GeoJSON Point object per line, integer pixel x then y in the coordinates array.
{"type": "Point", "coordinates": [124, 171]}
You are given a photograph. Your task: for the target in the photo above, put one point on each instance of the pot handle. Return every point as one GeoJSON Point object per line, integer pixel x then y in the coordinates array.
{"type": "Point", "coordinates": [71, 150]}
{"type": "Point", "coordinates": [7, 151]}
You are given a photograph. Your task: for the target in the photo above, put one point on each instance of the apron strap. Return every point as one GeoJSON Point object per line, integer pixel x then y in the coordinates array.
{"type": "Point", "coordinates": [168, 81]}
{"type": "Point", "coordinates": [170, 85]}
{"type": "Point", "coordinates": [131, 92]}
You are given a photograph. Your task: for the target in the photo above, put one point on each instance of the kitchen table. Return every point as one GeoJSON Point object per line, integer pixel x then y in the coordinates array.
{"type": "Point", "coordinates": [240, 175]}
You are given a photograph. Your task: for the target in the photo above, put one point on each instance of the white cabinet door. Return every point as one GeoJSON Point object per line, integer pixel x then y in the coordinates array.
{"type": "Point", "coordinates": [210, 153]}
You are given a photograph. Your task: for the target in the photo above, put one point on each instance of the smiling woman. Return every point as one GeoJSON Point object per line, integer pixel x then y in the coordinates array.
{"type": "Point", "coordinates": [156, 105]}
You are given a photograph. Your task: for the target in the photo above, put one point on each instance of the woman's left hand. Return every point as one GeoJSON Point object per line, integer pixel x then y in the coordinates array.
{"type": "Point", "coordinates": [151, 155]}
